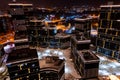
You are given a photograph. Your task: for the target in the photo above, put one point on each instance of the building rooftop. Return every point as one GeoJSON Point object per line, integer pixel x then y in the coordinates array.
{"type": "Point", "coordinates": [82, 19]}
{"type": "Point", "coordinates": [62, 35]}
{"type": "Point", "coordinates": [88, 56]}
{"type": "Point", "coordinates": [51, 63]}
{"type": "Point", "coordinates": [110, 6]}
{"type": "Point", "coordinates": [20, 55]}
{"type": "Point", "coordinates": [19, 4]}
{"type": "Point", "coordinates": [81, 39]}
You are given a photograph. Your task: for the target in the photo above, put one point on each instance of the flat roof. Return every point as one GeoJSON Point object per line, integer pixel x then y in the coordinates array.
{"type": "Point", "coordinates": [51, 63]}
{"type": "Point", "coordinates": [62, 35]}
{"type": "Point", "coordinates": [21, 40]}
{"type": "Point", "coordinates": [80, 41]}
{"type": "Point", "coordinates": [19, 55]}
{"type": "Point", "coordinates": [88, 56]}
{"type": "Point", "coordinates": [110, 6]}
{"type": "Point", "coordinates": [19, 4]}
{"type": "Point", "coordinates": [82, 19]}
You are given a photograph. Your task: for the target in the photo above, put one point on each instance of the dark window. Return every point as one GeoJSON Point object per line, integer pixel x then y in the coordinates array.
{"type": "Point", "coordinates": [83, 46]}
{"type": "Point", "coordinates": [117, 39]}
{"type": "Point", "coordinates": [33, 77]}
{"type": "Point", "coordinates": [107, 44]}
{"type": "Point", "coordinates": [42, 32]}
{"type": "Point", "coordinates": [105, 24]}
{"type": "Point", "coordinates": [48, 75]}
{"type": "Point", "coordinates": [13, 68]}
{"type": "Point", "coordinates": [52, 32]}
{"type": "Point", "coordinates": [116, 25]}
{"type": "Point", "coordinates": [100, 42]}
{"type": "Point", "coordinates": [18, 17]}
{"type": "Point", "coordinates": [112, 32]}
{"type": "Point", "coordinates": [19, 44]}
{"type": "Point", "coordinates": [101, 30]}
{"type": "Point", "coordinates": [114, 46]}
{"type": "Point", "coordinates": [16, 6]}
{"type": "Point", "coordinates": [31, 23]}
{"type": "Point", "coordinates": [116, 54]}
{"type": "Point", "coordinates": [103, 15]}
{"type": "Point", "coordinates": [31, 32]}
{"type": "Point", "coordinates": [92, 65]}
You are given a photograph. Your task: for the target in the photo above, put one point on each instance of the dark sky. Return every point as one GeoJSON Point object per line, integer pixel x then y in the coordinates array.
{"type": "Point", "coordinates": [59, 3]}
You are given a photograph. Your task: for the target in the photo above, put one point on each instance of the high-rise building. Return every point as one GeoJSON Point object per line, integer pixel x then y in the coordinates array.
{"type": "Point", "coordinates": [108, 40]}
{"type": "Point", "coordinates": [19, 15]}
{"type": "Point", "coordinates": [86, 62]}
{"type": "Point", "coordinates": [37, 33]}
{"type": "Point", "coordinates": [83, 25]}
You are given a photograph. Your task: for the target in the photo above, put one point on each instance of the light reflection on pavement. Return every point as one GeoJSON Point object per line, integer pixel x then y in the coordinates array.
{"type": "Point", "coordinates": [107, 67]}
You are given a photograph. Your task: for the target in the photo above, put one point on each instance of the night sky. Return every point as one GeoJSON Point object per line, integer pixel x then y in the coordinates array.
{"type": "Point", "coordinates": [59, 3]}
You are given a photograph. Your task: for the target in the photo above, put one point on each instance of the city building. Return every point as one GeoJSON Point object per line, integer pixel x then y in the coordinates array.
{"type": "Point", "coordinates": [6, 30]}
{"type": "Point", "coordinates": [87, 64]}
{"type": "Point", "coordinates": [63, 40]}
{"type": "Point", "coordinates": [48, 34]}
{"type": "Point", "coordinates": [52, 68]}
{"type": "Point", "coordinates": [79, 43]}
{"type": "Point", "coordinates": [83, 25]}
{"type": "Point", "coordinates": [23, 64]}
{"type": "Point", "coordinates": [37, 33]}
{"type": "Point", "coordinates": [21, 43]}
{"type": "Point", "coordinates": [5, 23]}
{"type": "Point", "coordinates": [19, 15]}
{"type": "Point", "coordinates": [108, 39]}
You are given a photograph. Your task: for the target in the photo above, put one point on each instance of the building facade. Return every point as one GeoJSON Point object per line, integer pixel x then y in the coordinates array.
{"type": "Point", "coordinates": [19, 13]}
{"type": "Point", "coordinates": [23, 64]}
{"type": "Point", "coordinates": [52, 68]}
{"type": "Point", "coordinates": [87, 64]}
{"type": "Point", "coordinates": [109, 31]}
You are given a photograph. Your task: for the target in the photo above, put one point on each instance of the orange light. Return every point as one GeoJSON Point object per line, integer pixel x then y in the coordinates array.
{"type": "Point", "coordinates": [61, 27]}
{"type": "Point", "coordinates": [95, 24]}
{"type": "Point", "coordinates": [8, 37]}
